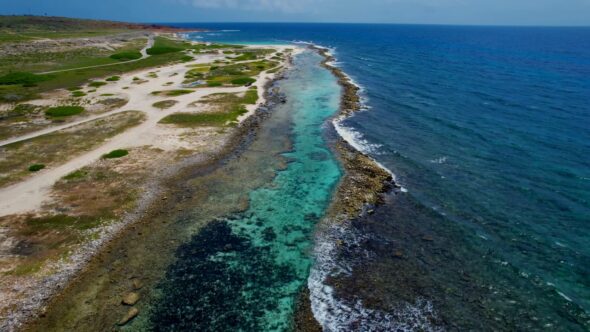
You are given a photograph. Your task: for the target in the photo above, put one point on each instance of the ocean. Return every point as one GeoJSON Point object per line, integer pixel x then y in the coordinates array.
{"type": "Point", "coordinates": [487, 129]}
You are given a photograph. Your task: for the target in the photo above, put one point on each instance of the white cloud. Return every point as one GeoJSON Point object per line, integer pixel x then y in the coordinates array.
{"type": "Point", "coordinates": [284, 6]}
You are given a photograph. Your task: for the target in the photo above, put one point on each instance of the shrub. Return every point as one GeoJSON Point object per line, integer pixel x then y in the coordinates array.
{"type": "Point", "coordinates": [214, 84]}
{"type": "Point", "coordinates": [203, 119]}
{"type": "Point", "coordinates": [130, 55]}
{"type": "Point", "coordinates": [116, 154]}
{"type": "Point", "coordinates": [172, 93]}
{"type": "Point", "coordinates": [162, 50]}
{"type": "Point", "coordinates": [113, 78]}
{"type": "Point", "coordinates": [78, 94]}
{"type": "Point", "coordinates": [186, 58]}
{"type": "Point", "coordinates": [79, 174]}
{"type": "Point", "coordinates": [61, 111]}
{"type": "Point", "coordinates": [36, 167]}
{"type": "Point", "coordinates": [164, 104]}
{"type": "Point", "coordinates": [243, 81]}
{"type": "Point", "coordinates": [24, 78]}
{"type": "Point", "coordinates": [96, 84]}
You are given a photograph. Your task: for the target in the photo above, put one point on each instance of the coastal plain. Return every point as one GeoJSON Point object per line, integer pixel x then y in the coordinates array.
{"type": "Point", "coordinates": [91, 123]}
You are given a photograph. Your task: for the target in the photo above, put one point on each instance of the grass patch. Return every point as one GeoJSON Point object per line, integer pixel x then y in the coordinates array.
{"type": "Point", "coordinates": [76, 175]}
{"type": "Point", "coordinates": [60, 146]}
{"type": "Point", "coordinates": [78, 94]}
{"type": "Point", "coordinates": [96, 84]}
{"type": "Point", "coordinates": [113, 79]}
{"type": "Point", "coordinates": [24, 78]}
{"type": "Point", "coordinates": [164, 104]}
{"type": "Point", "coordinates": [65, 79]}
{"type": "Point", "coordinates": [125, 56]}
{"type": "Point", "coordinates": [228, 75]}
{"type": "Point", "coordinates": [62, 111]}
{"type": "Point", "coordinates": [62, 221]}
{"type": "Point", "coordinates": [202, 119]}
{"type": "Point", "coordinates": [187, 58]}
{"type": "Point", "coordinates": [172, 93]}
{"type": "Point", "coordinates": [164, 46]}
{"type": "Point", "coordinates": [243, 81]}
{"type": "Point", "coordinates": [36, 167]}
{"type": "Point", "coordinates": [115, 154]}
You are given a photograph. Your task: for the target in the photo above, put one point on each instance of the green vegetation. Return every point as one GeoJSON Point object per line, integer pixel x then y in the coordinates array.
{"type": "Point", "coordinates": [62, 221]}
{"type": "Point", "coordinates": [251, 96]}
{"type": "Point", "coordinates": [231, 75]}
{"type": "Point", "coordinates": [24, 28]}
{"type": "Point", "coordinates": [61, 111]}
{"type": "Point", "coordinates": [58, 147]}
{"type": "Point", "coordinates": [36, 167]}
{"type": "Point", "coordinates": [187, 58]}
{"type": "Point", "coordinates": [78, 94]}
{"type": "Point", "coordinates": [243, 81]}
{"type": "Point", "coordinates": [28, 86]}
{"type": "Point", "coordinates": [125, 56]}
{"type": "Point", "coordinates": [172, 93]}
{"type": "Point", "coordinates": [201, 119]}
{"type": "Point", "coordinates": [115, 154]}
{"type": "Point", "coordinates": [226, 108]}
{"type": "Point", "coordinates": [96, 84]}
{"type": "Point", "coordinates": [107, 94]}
{"type": "Point", "coordinates": [24, 78]}
{"type": "Point", "coordinates": [113, 79]}
{"type": "Point", "coordinates": [246, 56]}
{"type": "Point", "coordinates": [164, 45]}
{"type": "Point", "coordinates": [165, 104]}
{"type": "Point", "coordinates": [75, 175]}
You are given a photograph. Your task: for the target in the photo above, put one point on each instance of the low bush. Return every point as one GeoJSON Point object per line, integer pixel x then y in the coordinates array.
{"type": "Point", "coordinates": [162, 50]}
{"type": "Point", "coordinates": [130, 55]}
{"type": "Point", "coordinates": [61, 111]}
{"type": "Point", "coordinates": [36, 167]}
{"type": "Point", "coordinates": [164, 104]}
{"type": "Point", "coordinates": [78, 94]}
{"type": "Point", "coordinates": [115, 154]}
{"type": "Point", "coordinates": [243, 81]}
{"type": "Point", "coordinates": [24, 78]}
{"type": "Point", "coordinates": [113, 79]}
{"type": "Point", "coordinates": [97, 84]}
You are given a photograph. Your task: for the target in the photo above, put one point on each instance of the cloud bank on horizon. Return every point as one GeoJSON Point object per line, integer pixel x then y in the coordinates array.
{"type": "Point", "coordinates": [477, 12]}
{"type": "Point", "coordinates": [286, 6]}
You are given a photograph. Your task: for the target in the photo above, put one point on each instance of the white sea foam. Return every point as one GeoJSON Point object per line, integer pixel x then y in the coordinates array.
{"type": "Point", "coordinates": [336, 314]}
{"type": "Point", "coordinates": [440, 160]}
{"type": "Point", "coordinates": [229, 30]}
{"type": "Point", "coordinates": [355, 138]}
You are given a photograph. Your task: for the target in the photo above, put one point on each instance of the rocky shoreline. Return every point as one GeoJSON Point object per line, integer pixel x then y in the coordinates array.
{"type": "Point", "coordinates": [159, 192]}
{"type": "Point", "coordinates": [362, 185]}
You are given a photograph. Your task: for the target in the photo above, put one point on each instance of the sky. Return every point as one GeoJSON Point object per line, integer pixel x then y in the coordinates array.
{"type": "Point", "coordinates": [471, 12]}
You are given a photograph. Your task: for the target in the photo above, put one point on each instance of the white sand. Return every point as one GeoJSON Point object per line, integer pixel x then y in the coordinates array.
{"type": "Point", "coordinates": [28, 195]}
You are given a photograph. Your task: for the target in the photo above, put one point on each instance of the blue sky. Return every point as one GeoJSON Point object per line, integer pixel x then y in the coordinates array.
{"type": "Point", "coordinates": [486, 12]}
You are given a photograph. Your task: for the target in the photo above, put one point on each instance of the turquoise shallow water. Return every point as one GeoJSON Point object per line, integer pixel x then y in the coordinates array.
{"type": "Point", "coordinates": [244, 272]}
{"type": "Point", "coordinates": [488, 130]}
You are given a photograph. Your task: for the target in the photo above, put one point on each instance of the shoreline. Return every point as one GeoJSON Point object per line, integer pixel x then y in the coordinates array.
{"type": "Point", "coordinates": [35, 304]}
{"type": "Point", "coordinates": [362, 184]}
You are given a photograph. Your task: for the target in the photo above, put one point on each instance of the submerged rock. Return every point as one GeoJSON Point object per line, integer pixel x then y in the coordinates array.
{"type": "Point", "coordinates": [132, 313]}
{"type": "Point", "coordinates": [130, 298]}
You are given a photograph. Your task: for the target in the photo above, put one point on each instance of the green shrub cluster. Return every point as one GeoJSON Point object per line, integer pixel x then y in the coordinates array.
{"type": "Point", "coordinates": [36, 167]}
{"type": "Point", "coordinates": [130, 55]}
{"type": "Point", "coordinates": [23, 78]}
{"type": "Point", "coordinates": [61, 111]}
{"type": "Point", "coordinates": [116, 154]}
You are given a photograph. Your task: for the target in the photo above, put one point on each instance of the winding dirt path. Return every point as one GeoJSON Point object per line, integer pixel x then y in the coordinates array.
{"type": "Point", "coordinates": [28, 195]}
{"type": "Point", "coordinates": [143, 52]}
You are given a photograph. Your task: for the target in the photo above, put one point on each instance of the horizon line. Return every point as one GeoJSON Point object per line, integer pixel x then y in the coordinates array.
{"type": "Point", "coordinates": [310, 22]}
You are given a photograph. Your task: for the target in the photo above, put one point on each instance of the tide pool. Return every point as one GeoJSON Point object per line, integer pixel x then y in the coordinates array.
{"type": "Point", "coordinates": [244, 271]}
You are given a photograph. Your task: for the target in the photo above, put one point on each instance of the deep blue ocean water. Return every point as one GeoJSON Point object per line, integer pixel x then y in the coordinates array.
{"type": "Point", "coordinates": [488, 129]}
